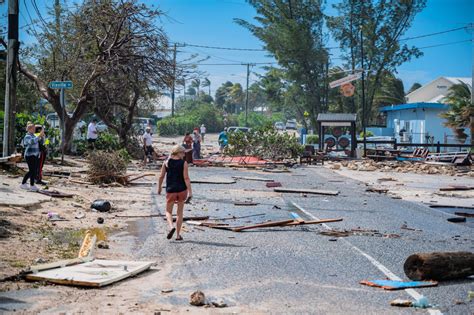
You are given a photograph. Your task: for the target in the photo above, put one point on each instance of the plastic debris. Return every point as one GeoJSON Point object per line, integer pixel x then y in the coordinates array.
{"type": "Point", "coordinates": [101, 205]}
{"type": "Point", "coordinates": [422, 302]}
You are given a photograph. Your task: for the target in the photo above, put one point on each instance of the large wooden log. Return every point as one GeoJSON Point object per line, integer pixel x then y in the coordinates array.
{"type": "Point", "coordinates": [439, 266]}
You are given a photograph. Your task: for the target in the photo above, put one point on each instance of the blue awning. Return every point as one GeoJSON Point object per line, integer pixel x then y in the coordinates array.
{"type": "Point", "coordinates": [413, 106]}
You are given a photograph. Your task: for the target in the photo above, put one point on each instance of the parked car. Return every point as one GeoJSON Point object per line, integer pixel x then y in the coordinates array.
{"type": "Point", "coordinates": [140, 124]}
{"type": "Point", "coordinates": [53, 121]}
{"type": "Point", "coordinates": [291, 124]}
{"type": "Point", "coordinates": [101, 126]}
{"type": "Point", "coordinates": [279, 125]}
{"type": "Point", "coordinates": [235, 129]}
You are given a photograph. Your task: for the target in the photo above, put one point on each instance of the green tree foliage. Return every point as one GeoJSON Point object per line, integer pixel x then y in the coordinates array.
{"type": "Point", "coordinates": [264, 142]}
{"type": "Point", "coordinates": [193, 117]}
{"type": "Point", "coordinates": [382, 25]}
{"type": "Point", "coordinates": [293, 33]}
{"type": "Point", "coordinates": [461, 112]}
{"type": "Point", "coordinates": [111, 48]}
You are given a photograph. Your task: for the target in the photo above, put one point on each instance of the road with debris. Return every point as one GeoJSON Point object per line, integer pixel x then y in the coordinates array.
{"type": "Point", "coordinates": [281, 269]}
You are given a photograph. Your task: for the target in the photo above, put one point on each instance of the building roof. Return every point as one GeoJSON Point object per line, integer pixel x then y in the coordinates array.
{"type": "Point", "coordinates": [336, 117]}
{"type": "Point", "coordinates": [456, 80]}
{"type": "Point", "coordinates": [412, 106]}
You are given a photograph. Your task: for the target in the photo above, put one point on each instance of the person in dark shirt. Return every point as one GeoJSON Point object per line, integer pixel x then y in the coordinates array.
{"type": "Point", "coordinates": [178, 188]}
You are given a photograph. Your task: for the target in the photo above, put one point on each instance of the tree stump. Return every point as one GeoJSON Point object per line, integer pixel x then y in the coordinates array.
{"type": "Point", "coordinates": [439, 266]}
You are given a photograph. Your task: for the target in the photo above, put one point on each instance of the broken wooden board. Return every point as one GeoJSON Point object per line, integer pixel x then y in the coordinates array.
{"type": "Point", "coordinates": [217, 181]}
{"type": "Point", "coordinates": [377, 190]}
{"type": "Point", "coordinates": [55, 194]}
{"type": "Point", "coordinates": [313, 222]}
{"type": "Point", "coordinates": [273, 184]}
{"type": "Point", "coordinates": [465, 214]}
{"type": "Point", "coordinates": [307, 191]}
{"type": "Point", "coordinates": [276, 170]}
{"type": "Point", "coordinates": [456, 188]}
{"type": "Point", "coordinates": [258, 179]}
{"type": "Point", "coordinates": [97, 273]}
{"type": "Point", "coordinates": [245, 203]}
{"type": "Point", "coordinates": [398, 285]}
{"type": "Point", "coordinates": [59, 264]}
{"type": "Point", "coordinates": [262, 225]}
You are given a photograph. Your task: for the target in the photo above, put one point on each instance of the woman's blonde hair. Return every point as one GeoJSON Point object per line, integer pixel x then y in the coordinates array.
{"type": "Point", "coordinates": [177, 149]}
{"type": "Point", "coordinates": [30, 125]}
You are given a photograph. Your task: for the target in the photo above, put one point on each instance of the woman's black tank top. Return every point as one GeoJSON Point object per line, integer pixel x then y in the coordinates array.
{"type": "Point", "coordinates": [174, 176]}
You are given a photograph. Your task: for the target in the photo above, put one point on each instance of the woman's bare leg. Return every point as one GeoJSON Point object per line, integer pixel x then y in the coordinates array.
{"type": "Point", "coordinates": [169, 214]}
{"type": "Point", "coordinates": [179, 219]}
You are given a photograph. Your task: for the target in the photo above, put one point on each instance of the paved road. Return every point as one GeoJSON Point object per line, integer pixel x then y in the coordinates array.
{"type": "Point", "coordinates": [297, 269]}
{"type": "Point", "coordinates": [278, 270]}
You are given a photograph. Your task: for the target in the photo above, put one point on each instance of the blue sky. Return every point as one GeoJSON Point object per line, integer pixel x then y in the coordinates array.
{"type": "Point", "coordinates": [210, 22]}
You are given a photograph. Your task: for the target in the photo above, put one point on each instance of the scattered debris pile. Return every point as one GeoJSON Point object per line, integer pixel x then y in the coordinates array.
{"type": "Point", "coordinates": [106, 167]}
{"type": "Point", "coordinates": [402, 167]}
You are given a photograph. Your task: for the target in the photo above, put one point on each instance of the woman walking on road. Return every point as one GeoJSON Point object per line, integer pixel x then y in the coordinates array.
{"type": "Point", "coordinates": [178, 188]}
{"type": "Point", "coordinates": [196, 144]}
{"type": "Point", "coordinates": [32, 153]}
{"type": "Point", "coordinates": [188, 145]}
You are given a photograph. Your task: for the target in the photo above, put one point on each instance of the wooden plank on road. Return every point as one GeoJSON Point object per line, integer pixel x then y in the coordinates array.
{"type": "Point", "coordinates": [307, 191]}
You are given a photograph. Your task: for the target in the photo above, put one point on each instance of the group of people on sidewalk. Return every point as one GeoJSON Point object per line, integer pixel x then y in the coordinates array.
{"type": "Point", "coordinates": [35, 150]}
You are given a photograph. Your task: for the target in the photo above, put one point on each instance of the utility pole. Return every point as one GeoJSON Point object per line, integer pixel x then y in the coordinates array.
{"type": "Point", "coordinates": [11, 79]}
{"type": "Point", "coordinates": [174, 80]}
{"type": "Point", "coordinates": [363, 91]}
{"type": "Point", "coordinates": [247, 96]}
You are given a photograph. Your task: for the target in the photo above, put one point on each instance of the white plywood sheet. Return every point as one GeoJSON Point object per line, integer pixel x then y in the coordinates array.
{"type": "Point", "coordinates": [96, 273]}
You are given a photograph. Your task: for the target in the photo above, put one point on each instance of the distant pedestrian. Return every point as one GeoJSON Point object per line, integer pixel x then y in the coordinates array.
{"type": "Point", "coordinates": [188, 146]}
{"type": "Point", "coordinates": [178, 188]}
{"type": "Point", "coordinates": [223, 140]}
{"type": "Point", "coordinates": [32, 153]}
{"type": "Point", "coordinates": [196, 144]}
{"type": "Point", "coordinates": [148, 146]}
{"type": "Point", "coordinates": [43, 147]}
{"type": "Point", "coordinates": [203, 132]}
{"type": "Point", "coordinates": [92, 133]}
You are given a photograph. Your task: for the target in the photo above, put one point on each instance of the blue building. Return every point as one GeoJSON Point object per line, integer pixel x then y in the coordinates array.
{"type": "Point", "coordinates": [419, 120]}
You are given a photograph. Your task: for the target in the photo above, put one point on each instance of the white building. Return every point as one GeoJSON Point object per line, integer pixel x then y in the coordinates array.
{"type": "Point", "coordinates": [435, 91]}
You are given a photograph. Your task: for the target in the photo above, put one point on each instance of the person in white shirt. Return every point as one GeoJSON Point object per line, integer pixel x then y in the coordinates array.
{"type": "Point", "coordinates": [203, 132]}
{"type": "Point", "coordinates": [148, 145]}
{"type": "Point", "coordinates": [92, 134]}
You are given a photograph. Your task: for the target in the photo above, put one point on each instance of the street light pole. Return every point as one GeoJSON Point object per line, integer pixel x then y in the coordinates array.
{"type": "Point", "coordinates": [363, 91]}
{"type": "Point", "coordinates": [174, 80]}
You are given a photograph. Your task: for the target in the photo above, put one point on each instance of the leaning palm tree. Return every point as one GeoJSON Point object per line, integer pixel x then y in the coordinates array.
{"type": "Point", "coordinates": [207, 83]}
{"type": "Point", "coordinates": [461, 111]}
{"type": "Point", "coordinates": [196, 84]}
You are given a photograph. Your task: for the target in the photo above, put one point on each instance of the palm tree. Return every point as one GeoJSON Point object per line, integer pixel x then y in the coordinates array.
{"type": "Point", "coordinates": [461, 112]}
{"type": "Point", "coordinates": [196, 84]}
{"type": "Point", "coordinates": [207, 83]}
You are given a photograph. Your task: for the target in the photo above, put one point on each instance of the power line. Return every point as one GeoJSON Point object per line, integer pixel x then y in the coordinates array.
{"type": "Point", "coordinates": [433, 34]}
{"type": "Point", "coordinates": [230, 64]}
{"type": "Point", "coordinates": [445, 44]}
{"type": "Point", "coordinates": [221, 48]}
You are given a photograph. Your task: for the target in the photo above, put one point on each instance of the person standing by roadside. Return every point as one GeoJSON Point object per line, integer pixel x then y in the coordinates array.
{"type": "Point", "coordinates": [188, 146]}
{"type": "Point", "coordinates": [43, 147]}
{"type": "Point", "coordinates": [196, 144]}
{"type": "Point", "coordinates": [148, 145]}
{"type": "Point", "coordinates": [92, 133]}
{"type": "Point", "coordinates": [203, 132]}
{"type": "Point", "coordinates": [178, 188]}
{"type": "Point", "coordinates": [223, 140]}
{"type": "Point", "coordinates": [32, 152]}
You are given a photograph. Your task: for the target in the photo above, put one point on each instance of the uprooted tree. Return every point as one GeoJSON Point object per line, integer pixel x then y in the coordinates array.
{"type": "Point", "coordinates": [112, 51]}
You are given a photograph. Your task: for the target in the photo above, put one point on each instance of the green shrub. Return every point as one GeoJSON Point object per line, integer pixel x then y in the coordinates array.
{"type": "Point", "coordinates": [264, 142]}
{"type": "Point", "coordinates": [312, 139]}
{"type": "Point", "coordinates": [186, 121]}
{"type": "Point", "coordinates": [369, 134]}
